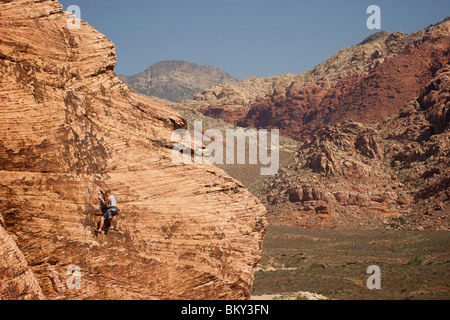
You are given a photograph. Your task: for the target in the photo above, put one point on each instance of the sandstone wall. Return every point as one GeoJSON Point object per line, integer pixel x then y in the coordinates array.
{"type": "Point", "coordinates": [17, 280]}
{"type": "Point", "coordinates": [69, 126]}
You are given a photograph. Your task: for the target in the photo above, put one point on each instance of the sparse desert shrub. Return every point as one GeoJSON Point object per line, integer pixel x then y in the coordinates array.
{"type": "Point", "coordinates": [416, 261]}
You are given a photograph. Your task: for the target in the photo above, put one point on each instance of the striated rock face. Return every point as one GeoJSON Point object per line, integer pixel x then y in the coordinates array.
{"type": "Point", "coordinates": [17, 280]}
{"type": "Point", "coordinates": [68, 126]}
{"type": "Point", "coordinates": [176, 80]}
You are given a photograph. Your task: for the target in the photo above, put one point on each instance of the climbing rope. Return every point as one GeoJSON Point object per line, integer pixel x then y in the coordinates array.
{"type": "Point", "coordinates": [85, 240]}
{"type": "Point", "coordinates": [88, 168]}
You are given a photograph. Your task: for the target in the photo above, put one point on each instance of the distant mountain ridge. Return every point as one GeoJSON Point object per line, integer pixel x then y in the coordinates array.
{"type": "Point", "coordinates": [177, 80]}
{"type": "Point", "coordinates": [365, 82]}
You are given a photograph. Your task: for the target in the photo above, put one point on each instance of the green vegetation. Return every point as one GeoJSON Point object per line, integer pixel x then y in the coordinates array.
{"type": "Point", "coordinates": [416, 261]}
{"type": "Point", "coordinates": [397, 222]}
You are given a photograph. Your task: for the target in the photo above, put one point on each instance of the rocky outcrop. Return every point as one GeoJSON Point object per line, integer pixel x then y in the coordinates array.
{"type": "Point", "coordinates": [418, 141]}
{"type": "Point", "coordinates": [338, 179]}
{"type": "Point", "coordinates": [176, 80]}
{"type": "Point", "coordinates": [68, 125]}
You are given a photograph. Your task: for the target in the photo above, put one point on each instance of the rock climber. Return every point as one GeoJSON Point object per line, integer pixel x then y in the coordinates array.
{"type": "Point", "coordinates": [109, 202]}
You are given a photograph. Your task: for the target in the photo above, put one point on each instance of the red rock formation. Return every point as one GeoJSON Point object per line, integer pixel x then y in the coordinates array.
{"type": "Point", "coordinates": [219, 112]}
{"type": "Point", "coordinates": [366, 176]}
{"type": "Point", "coordinates": [435, 100]}
{"type": "Point", "coordinates": [68, 126]}
{"type": "Point", "coordinates": [360, 97]}
{"type": "Point", "coordinates": [365, 83]}
{"type": "Point", "coordinates": [418, 141]}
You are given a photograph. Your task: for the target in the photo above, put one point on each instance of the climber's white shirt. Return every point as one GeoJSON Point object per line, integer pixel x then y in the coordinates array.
{"type": "Point", "coordinates": [113, 201]}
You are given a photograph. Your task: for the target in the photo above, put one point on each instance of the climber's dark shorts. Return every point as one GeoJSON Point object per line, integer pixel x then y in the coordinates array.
{"type": "Point", "coordinates": [109, 214]}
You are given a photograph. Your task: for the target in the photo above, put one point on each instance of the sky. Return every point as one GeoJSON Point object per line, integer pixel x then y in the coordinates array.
{"type": "Point", "coordinates": [246, 38]}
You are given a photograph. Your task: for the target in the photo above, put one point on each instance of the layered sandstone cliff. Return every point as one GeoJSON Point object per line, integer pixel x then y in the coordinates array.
{"type": "Point", "coordinates": [68, 126]}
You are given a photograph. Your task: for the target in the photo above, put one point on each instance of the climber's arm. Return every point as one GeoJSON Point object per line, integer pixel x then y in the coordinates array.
{"type": "Point", "coordinates": [101, 197]}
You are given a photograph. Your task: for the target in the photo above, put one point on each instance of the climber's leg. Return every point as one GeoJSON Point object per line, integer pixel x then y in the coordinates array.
{"type": "Point", "coordinates": [102, 221]}
{"type": "Point", "coordinates": [107, 215]}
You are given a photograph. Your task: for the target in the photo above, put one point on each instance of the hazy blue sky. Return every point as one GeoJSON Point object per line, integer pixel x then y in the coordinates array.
{"type": "Point", "coordinates": [246, 37]}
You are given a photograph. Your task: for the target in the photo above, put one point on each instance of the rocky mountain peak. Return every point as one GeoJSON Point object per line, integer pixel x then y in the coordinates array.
{"type": "Point", "coordinates": [376, 36]}
{"type": "Point", "coordinates": [176, 80]}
